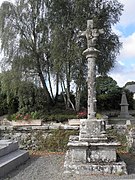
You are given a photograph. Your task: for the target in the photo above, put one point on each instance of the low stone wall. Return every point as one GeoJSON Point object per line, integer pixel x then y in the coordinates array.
{"type": "Point", "coordinates": [131, 140]}
{"type": "Point", "coordinates": [115, 113]}
{"type": "Point", "coordinates": [129, 132]}
{"type": "Point", "coordinates": [27, 135]}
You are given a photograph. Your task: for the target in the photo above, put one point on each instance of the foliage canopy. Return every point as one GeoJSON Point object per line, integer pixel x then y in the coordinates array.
{"type": "Point", "coordinates": [40, 40]}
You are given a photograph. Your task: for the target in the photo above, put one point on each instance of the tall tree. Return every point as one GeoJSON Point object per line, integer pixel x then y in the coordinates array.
{"type": "Point", "coordinates": [24, 36]}
{"type": "Point", "coordinates": [41, 38]}
{"type": "Point", "coordinates": [66, 19]}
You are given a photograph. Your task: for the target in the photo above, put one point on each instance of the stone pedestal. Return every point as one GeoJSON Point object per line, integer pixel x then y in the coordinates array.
{"type": "Point", "coordinates": [91, 152]}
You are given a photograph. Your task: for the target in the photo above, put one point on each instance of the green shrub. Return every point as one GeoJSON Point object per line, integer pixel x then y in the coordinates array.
{"type": "Point", "coordinates": [25, 116]}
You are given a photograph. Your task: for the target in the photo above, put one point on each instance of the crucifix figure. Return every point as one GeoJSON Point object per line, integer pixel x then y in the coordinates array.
{"type": "Point", "coordinates": [91, 35]}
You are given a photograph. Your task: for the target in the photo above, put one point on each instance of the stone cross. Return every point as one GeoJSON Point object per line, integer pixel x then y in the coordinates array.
{"type": "Point", "coordinates": [91, 34]}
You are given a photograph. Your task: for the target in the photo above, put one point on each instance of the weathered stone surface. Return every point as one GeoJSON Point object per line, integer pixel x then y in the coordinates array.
{"type": "Point", "coordinates": [10, 156]}
{"type": "Point", "coordinates": [92, 152]}
{"type": "Point", "coordinates": [89, 158]}
{"type": "Point", "coordinates": [92, 130]}
{"type": "Point", "coordinates": [124, 113]}
{"type": "Point", "coordinates": [117, 168]}
{"type": "Point", "coordinates": [68, 127]}
{"type": "Point", "coordinates": [36, 122]}
{"type": "Point", "coordinates": [74, 122]}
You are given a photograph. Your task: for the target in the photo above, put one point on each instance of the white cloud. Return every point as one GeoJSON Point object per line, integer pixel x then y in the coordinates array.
{"type": "Point", "coordinates": [124, 70]}
{"type": "Point", "coordinates": [124, 76]}
{"type": "Point", "coordinates": [128, 49]}
{"type": "Point", "coordinates": [117, 31]}
{"type": "Point", "coordinates": [128, 15]}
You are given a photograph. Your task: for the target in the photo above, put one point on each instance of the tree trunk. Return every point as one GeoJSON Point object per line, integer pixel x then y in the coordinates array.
{"type": "Point", "coordinates": [64, 97]}
{"type": "Point", "coordinates": [77, 99]}
{"type": "Point", "coordinates": [57, 87]}
{"type": "Point", "coordinates": [50, 85]}
{"type": "Point", "coordinates": [49, 99]}
{"type": "Point", "coordinates": [69, 102]}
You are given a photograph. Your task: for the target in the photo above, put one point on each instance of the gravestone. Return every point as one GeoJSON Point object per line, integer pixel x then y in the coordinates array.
{"type": "Point", "coordinates": [124, 107]}
{"type": "Point", "coordinates": [92, 152]}
{"type": "Point", "coordinates": [124, 117]}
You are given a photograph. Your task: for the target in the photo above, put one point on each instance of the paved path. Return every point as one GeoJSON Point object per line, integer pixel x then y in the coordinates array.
{"type": "Point", "coordinates": [50, 167]}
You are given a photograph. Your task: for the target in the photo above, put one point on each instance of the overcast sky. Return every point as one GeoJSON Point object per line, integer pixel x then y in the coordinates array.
{"type": "Point", "coordinates": [124, 70]}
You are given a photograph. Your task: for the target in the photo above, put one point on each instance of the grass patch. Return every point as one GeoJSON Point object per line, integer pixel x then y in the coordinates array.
{"type": "Point", "coordinates": [114, 135]}
{"type": "Point", "coordinates": [56, 140]}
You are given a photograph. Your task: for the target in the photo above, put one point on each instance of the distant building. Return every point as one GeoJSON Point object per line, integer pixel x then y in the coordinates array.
{"type": "Point", "coordinates": [131, 88]}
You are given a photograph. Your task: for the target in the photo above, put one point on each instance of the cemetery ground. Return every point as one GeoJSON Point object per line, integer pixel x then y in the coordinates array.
{"type": "Point", "coordinates": [49, 164]}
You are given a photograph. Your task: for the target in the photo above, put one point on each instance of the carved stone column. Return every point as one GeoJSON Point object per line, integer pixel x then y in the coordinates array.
{"type": "Point", "coordinates": [91, 54]}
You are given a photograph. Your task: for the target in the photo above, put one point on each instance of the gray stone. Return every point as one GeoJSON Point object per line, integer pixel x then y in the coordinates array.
{"type": "Point", "coordinates": [10, 156]}
{"type": "Point", "coordinates": [91, 35]}
{"type": "Point", "coordinates": [124, 118]}
{"type": "Point", "coordinates": [7, 146]}
{"type": "Point", "coordinates": [74, 122]}
{"type": "Point", "coordinates": [91, 151]}
{"type": "Point", "coordinates": [124, 107]}
{"type": "Point", "coordinates": [117, 168]}
{"type": "Point", "coordinates": [12, 160]}
{"type": "Point", "coordinates": [68, 127]}
{"type": "Point", "coordinates": [92, 130]}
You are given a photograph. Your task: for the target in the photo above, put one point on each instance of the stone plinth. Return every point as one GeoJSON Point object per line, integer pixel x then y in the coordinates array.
{"type": "Point", "coordinates": [92, 130]}
{"type": "Point", "coordinates": [92, 152]}
{"type": "Point", "coordinates": [93, 157]}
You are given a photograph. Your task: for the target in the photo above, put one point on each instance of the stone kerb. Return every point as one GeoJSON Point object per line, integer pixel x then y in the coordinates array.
{"type": "Point", "coordinates": [43, 127]}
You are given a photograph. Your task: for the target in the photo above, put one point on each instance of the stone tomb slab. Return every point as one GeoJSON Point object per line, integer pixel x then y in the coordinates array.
{"type": "Point", "coordinates": [74, 122]}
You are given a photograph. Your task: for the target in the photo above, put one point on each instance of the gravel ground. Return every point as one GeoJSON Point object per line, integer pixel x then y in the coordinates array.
{"type": "Point", "coordinates": [50, 167]}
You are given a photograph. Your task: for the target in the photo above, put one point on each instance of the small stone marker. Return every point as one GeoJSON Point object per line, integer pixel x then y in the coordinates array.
{"type": "Point", "coordinates": [124, 107]}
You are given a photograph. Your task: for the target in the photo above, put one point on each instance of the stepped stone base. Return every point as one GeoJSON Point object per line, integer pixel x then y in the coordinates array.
{"type": "Point", "coordinates": [6, 146]}
{"type": "Point", "coordinates": [12, 161]}
{"type": "Point", "coordinates": [118, 168]}
{"type": "Point", "coordinates": [11, 156]}
{"type": "Point", "coordinates": [92, 152]}
{"type": "Point", "coordinates": [89, 158]}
